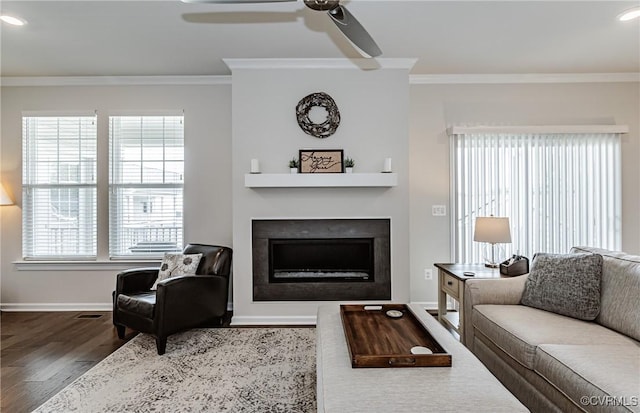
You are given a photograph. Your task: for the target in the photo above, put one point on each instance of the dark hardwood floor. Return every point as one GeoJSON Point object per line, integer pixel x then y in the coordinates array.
{"type": "Point", "coordinates": [42, 352]}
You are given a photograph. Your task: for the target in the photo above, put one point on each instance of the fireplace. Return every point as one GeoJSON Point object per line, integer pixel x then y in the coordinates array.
{"type": "Point", "coordinates": [321, 259]}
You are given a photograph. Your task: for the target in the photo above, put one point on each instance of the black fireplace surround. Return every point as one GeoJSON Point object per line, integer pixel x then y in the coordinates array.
{"type": "Point", "coordinates": [321, 259]}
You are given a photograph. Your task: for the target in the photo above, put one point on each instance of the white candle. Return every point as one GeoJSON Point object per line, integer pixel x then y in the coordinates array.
{"type": "Point", "coordinates": [255, 166]}
{"type": "Point", "coordinates": [387, 165]}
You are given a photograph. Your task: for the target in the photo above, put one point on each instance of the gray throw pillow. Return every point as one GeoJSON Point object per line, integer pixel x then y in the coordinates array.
{"type": "Point", "coordinates": [567, 284]}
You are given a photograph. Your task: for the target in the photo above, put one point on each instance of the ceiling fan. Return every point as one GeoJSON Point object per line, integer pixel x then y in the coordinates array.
{"type": "Point", "coordinates": [346, 22]}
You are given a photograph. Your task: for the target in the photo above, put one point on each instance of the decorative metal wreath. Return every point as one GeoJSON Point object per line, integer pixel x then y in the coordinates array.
{"type": "Point", "coordinates": [319, 130]}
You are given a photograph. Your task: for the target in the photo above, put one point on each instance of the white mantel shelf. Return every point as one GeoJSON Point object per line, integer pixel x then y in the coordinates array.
{"type": "Point", "coordinates": [355, 180]}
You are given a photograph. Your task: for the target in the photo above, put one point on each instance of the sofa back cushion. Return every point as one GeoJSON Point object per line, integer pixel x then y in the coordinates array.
{"type": "Point", "coordinates": [620, 291]}
{"type": "Point", "coordinates": [567, 284]}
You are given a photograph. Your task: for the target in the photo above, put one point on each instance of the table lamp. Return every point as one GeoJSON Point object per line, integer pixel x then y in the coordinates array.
{"type": "Point", "coordinates": [492, 230]}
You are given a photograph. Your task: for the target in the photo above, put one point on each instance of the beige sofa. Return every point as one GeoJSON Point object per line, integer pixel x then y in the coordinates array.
{"type": "Point", "coordinates": [555, 363]}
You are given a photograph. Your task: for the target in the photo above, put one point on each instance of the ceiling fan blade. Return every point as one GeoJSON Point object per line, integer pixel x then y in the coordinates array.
{"type": "Point", "coordinates": [354, 31]}
{"type": "Point", "coordinates": [235, 1]}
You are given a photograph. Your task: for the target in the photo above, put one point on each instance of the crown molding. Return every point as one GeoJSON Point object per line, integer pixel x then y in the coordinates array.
{"type": "Point", "coordinates": [524, 78]}
{"type": "Point", "coordinates": [361, 64]}
{"type": "Point", "coordinates": [186, 80]}
{"type": "Point", "coordinates": [435, 79]}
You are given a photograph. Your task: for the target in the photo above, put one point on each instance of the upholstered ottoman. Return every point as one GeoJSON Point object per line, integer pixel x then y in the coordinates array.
{"type": "Point", "coordinates": [466, 386]}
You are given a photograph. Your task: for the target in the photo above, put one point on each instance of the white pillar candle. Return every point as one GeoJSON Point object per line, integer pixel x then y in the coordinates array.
{"type": "Point", "coordinates": [387, 165]}
{"type": "Point", "coordinates": [255, 166]}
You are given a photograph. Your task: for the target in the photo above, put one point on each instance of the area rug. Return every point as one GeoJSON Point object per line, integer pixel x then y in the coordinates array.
{"type": "Point", "coordinates": [205, 370]}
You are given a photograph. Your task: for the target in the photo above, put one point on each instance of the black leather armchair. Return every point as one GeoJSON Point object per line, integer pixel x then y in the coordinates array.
{"type": "Point", "coordinates": [180, 302]}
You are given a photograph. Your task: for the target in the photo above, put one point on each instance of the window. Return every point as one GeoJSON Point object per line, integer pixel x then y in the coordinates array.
{"type": "Point", "coordinates": [558, 189]}
{"type": "Point", "coordinates": [59, 186]}
{"type": "Point", "coordinates": [146, 181]}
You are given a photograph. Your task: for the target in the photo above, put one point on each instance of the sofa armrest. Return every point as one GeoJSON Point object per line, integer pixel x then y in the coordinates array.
{"type": "Point", "coordinates": [495, 291]}
{"type": "Point", "coordinates": [504, 291]}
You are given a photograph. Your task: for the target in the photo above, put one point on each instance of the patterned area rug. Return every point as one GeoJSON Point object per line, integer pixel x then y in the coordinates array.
{"type": "Point", "coordinates": [205, 370]}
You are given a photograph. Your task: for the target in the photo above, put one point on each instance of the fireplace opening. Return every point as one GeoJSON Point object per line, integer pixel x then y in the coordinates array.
{"type": "Point", "coordinates": [321, 260]}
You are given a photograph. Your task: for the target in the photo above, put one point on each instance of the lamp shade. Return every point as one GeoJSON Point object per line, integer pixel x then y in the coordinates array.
{"type": "Point", "coordinates": [4, 198]}
{"type": "Point", "coordinates": [494, 230]}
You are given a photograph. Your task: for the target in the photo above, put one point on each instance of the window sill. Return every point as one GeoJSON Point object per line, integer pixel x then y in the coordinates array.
{"type": "Point", "coordinates": [115, 265]}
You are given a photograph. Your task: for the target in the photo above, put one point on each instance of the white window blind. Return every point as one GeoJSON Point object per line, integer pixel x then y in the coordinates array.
{"type": "Point", "coordinates": [146, 181]}
{"type": "Point", "coordinates": [558, 190]}
{"type": "Point", "coordinates": [59, 187]}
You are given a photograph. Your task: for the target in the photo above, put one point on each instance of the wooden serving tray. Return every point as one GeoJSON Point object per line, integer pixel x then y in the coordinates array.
{"type": "Point", "coordinates": [376, 340]}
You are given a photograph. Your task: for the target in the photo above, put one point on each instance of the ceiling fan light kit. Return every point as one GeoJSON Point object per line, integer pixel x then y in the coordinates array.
{"type": "Point", "coordinates": [322, 5]}
{"type": "Point", "coordinates": [343, 19]}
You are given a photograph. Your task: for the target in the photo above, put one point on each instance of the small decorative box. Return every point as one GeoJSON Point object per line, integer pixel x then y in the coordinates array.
{"type": "Point", "coordinates": [516, 265]}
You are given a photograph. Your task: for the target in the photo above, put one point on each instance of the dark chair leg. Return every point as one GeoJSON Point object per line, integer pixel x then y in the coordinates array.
{"type": "Point", "coordinates": [161, 344]}
{"type": "Point", "coordinates": [120, 329]}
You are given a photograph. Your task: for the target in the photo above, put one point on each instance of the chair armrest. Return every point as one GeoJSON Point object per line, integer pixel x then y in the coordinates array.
{"type": "Point", "coordinates": [187, 301]}
{"type": "Point", "coordinates": [135, 280]}
{"type": "Point", "coordinates": [504, 291]}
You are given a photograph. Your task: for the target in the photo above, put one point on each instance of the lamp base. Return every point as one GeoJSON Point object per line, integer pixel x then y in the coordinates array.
{"type": "Point", "coordinates": [494, 254]}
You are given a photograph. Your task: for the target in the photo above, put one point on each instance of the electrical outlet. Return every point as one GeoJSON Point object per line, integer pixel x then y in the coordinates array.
{"type": "Point", "coordinates": [428, 274]}
{"type": "Point", "coordinates": [439, 210]}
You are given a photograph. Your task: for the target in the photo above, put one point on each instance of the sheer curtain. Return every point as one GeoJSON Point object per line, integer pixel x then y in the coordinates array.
{"type": "Point", "coordinates": [558, 188]}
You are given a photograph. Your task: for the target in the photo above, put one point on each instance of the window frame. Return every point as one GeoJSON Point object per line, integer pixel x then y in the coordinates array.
{"type": "Point", "coordinates": [113, 186]}
{"type": "Point", "coordinates": [30, 184]}
{"type": "Point", "coordinates": [101, 259]}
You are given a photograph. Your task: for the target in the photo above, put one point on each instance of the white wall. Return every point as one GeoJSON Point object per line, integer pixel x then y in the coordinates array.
{"type": "Point", "coordinates": [207, 192]}
{"type": "Point", "coordinates": [374, 108]}
{"type": "Point", "coordinates": [435, 107]}
{"type": "Point", "coordinates": [209, 168]}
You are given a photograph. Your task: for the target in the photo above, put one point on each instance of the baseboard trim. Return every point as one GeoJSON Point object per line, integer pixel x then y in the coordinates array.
{"type": "Point", "coordinates": [236, 320]}
{"type": "Point", "coordinates": [56, 307]}
{"type": "Point", "coordinates": [272, 320]}
{"type": "Point", "coordinates": [300, 320]}
{"type": "Point", "coordinates": [427, 305]}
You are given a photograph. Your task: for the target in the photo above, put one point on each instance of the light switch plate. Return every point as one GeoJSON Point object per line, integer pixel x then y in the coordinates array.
{"type": "Point", "coordinates": [439, 210]}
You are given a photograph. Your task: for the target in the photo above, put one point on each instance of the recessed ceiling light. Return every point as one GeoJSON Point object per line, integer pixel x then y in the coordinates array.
{"type": "Point", "coordinates": [629, 14]}
{"type": "Point", "coordinates": [16, 21]}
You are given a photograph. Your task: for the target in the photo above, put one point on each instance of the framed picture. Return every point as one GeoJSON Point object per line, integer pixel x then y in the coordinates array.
{"type": "Point", "coordinates": [321, 161]}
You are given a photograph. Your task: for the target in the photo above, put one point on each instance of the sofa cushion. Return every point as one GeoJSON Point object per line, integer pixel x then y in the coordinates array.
{"type": "Point", "coordinates": [620, 291]}
{"type": "Point", "coordinates": [142, 304]}
{"type": "Point", "coordinates": [567, 284]}
{"type": "Point", "coordinates": [518, 330]}
{"type": "Point", "coordinates": [594, 386]}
